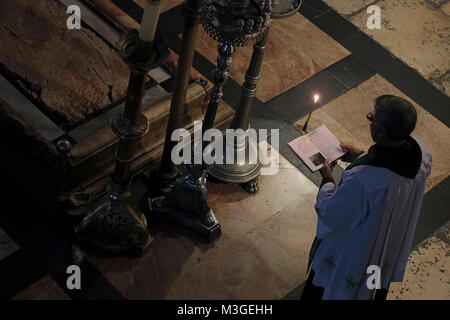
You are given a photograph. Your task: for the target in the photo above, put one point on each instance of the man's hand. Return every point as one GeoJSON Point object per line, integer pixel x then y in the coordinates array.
{"type": "Point", "coordinates": [351, 152]}
{"type": "Point", "coordinates": [327, 170]}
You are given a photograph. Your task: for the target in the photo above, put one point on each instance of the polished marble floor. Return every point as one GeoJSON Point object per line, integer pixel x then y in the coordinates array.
{"type": "Point", "coordinates": [423, 44]}
{"type": "Point", "coordinates": [426, 276]}
{"type": "Point", "coordinates": [265, 236]}
{"type": "Point", "coordinates": [296, 50]}
{"type": "Point", "coordinates": [263, 251]}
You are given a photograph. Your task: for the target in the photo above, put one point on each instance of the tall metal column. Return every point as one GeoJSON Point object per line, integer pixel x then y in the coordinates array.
{"type": "Point", "coordinates": [246, 173]}
{"type": "Point", "coordinates": [191, 12]}
{"type": "Point", "coordinates": [242, 115]}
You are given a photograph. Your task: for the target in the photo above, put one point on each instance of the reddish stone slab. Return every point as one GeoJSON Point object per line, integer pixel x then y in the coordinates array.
{"type": "Point", "coordinates": [72, 74]}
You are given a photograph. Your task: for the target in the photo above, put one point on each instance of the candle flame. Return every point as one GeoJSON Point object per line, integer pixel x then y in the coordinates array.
{"type": "Point", "coordinates": [316, 98]}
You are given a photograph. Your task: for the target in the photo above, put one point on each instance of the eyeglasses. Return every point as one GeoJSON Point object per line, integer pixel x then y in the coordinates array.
{"type": "Point", "coordinates": [369, 117]}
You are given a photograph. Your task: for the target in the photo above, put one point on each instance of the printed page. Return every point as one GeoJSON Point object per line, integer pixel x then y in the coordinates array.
{"type": "Point", "coordinates": [326, 142]}
{"type": "Point", "coordinates": [308, 152]}
{"type": "Point", "coordinates": [317, 146]}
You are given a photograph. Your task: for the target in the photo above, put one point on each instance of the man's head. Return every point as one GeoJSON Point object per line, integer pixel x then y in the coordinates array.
{"type": "Point", "coordinates": [393, 119]}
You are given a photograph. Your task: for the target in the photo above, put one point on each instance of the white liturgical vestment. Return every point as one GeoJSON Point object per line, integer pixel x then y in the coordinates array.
{"type": "Point", "coordinates": [370, 219]}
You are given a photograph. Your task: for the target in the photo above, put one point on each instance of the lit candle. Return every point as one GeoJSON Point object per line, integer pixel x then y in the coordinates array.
{"type": "Point", "coordinates": [149, 21]}
{"type": "Point", "coordinates": [305, 126]}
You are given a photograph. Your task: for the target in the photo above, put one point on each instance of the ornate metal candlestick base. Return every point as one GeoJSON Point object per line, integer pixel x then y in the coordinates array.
{"type": "Point", "coordinates": [117, 224]}
{"type": "Point", "coordinates": [246, 173]}
{"type": "Point", "coordinates": [186, 202]}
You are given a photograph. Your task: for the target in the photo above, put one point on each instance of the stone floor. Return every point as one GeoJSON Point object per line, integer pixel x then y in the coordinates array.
{"type": "Point", "coordinates": [263, 251]}
{"type": "Point", "coordinates": [423, 44]}
{"type": "Point", "coordinates": [426, 276]}
{"type": "Point", "coordinates": [266, 236]}
{"type": "Point", "coordinates": [289, 58]}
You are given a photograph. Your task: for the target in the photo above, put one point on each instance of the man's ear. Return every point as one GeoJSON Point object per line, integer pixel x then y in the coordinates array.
{"type": "Point", "coordinates": [379, 133]}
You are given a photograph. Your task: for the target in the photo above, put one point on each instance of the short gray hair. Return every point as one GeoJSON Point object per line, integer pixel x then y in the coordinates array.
{"type": "Point", "coordinates": [396, 115]}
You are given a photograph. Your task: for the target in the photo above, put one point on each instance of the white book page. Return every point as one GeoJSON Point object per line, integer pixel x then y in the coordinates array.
{"type": "Point", "coordinates": [308, 152]}
{"type": "Point", "coordinates": [317, 146]}
{"type": "Point", "coordinates": [326, 142]}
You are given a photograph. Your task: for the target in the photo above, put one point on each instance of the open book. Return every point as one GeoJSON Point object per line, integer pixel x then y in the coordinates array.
{"type": "Point", "coordinates": [317, 146]}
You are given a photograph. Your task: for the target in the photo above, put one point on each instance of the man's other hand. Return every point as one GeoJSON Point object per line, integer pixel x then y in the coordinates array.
{"type": "Point", "coordinates": [327, 170]}
{"type": "Point", "coordinates": [351, 152]}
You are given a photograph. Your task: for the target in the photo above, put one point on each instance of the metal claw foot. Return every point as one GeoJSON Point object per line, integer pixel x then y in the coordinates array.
{"type": "Point", "coordinates": [251, 186]}
{"type": "Point", "coordinates": [116, 225]}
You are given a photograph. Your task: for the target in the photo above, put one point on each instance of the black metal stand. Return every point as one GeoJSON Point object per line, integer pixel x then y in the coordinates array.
{"type": "Point", "coordinates": [117, 224]}
{"type": "Point", "coordinates": [186, 200]}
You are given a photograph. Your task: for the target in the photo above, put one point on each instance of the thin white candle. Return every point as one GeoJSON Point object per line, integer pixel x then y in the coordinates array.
{"type": "Point", "coordinates": [305, 126]}
{"type": "Point", "coordinates": [149, 21]}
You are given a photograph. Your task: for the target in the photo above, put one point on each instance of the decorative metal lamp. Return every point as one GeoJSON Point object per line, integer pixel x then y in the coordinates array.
{"type": "Point", "coordinates": [232, 23]}
{"type": "Point", "coordinates": [117, 224]}
{"type": "Point", "coordinates": [246, 173]}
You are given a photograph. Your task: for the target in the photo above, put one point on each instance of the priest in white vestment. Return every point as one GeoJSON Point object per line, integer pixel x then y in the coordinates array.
{"type": "Point", "coordinates": [367, 223]}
